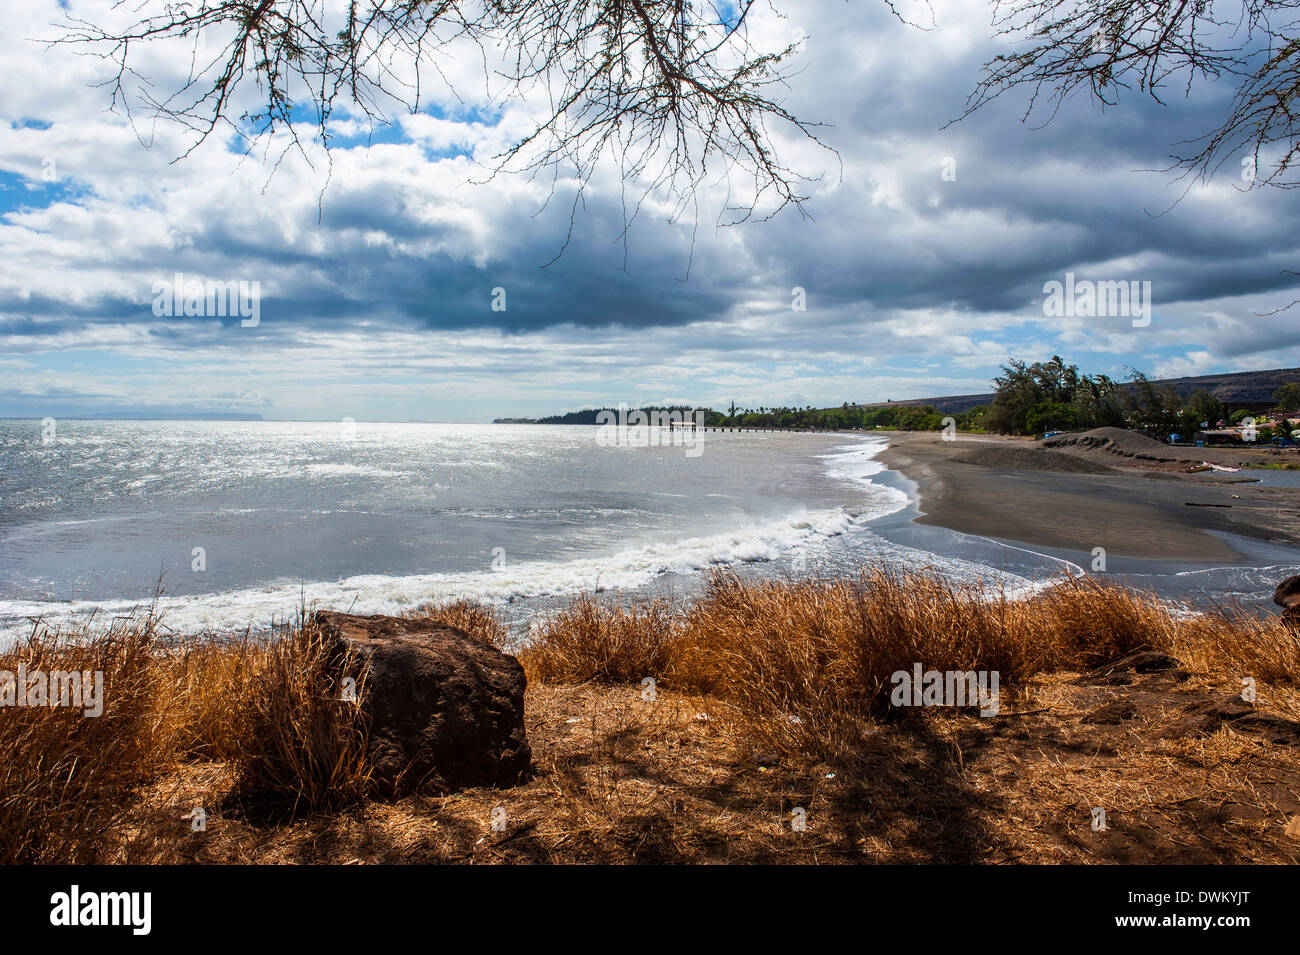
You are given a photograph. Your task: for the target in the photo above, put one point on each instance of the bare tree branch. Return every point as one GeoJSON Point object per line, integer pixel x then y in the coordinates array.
{"type": "Point", "coordinates": [1105, 46]}
{"type": "Point", "coordinates": [673, 91]}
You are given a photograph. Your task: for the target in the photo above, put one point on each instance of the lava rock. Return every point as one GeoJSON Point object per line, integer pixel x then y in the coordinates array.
{"type": "Point", "coordinates": [444, 711]}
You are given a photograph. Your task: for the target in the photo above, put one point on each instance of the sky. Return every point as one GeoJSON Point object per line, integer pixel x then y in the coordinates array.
{"type": "Point", "coordinates": [922, 258]}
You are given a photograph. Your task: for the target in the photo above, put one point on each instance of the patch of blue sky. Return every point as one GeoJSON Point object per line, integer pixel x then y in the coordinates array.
{"type": "Point", "coordinates": [350, 131]}
{"type": "Point", "coordinates": [19, 192]}
{"type": "Point", "coordinates": [392, 132]}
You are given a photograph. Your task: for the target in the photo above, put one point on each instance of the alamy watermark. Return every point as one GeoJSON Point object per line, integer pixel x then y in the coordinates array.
{"type": "Point", "coordinates": [75, 907]}
{"type": "Point", "coordinates": [1088, 299]}
{"type": "Point", "coordinates": [923, 687]}
{"type": "Point", "coordinates": [180, 298]}
{"type": "Point", "coordinates": [657, 428]}
{"type": "Point", "coordinates": [70, 688]}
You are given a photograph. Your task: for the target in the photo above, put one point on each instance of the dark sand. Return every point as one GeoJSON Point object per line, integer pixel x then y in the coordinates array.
{"type": "Point", "coordinates": [1107, 488]}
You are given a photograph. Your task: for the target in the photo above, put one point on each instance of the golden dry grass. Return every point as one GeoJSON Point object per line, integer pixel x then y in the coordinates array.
{"type": "Point", "coordinates": [796, 673]}
{"type": "Point", "coordinates": [604, 641]}
{"type": "Point", "coordinates": [805, 666]}
{"type": "Point", "coordinates": [477, 619]}
{"type": "Point", "coordinates": [297, 741]}
{"type": "Point", "coordinates": [67, 781]}
{"type": "Point", "coordinates": [72, 786]}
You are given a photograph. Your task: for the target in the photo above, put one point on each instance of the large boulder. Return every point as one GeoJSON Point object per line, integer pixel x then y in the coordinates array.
{"type": "Point", "coordinates": [445, 711]}
{"type": "Point", "coordinates": [1288, 593]}
{"type": "Point", "coordinates": [1287, 596]}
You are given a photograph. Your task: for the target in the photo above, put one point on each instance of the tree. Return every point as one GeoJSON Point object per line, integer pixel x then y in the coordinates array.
{"type": "Point", "coordinates": [1152, 409]}
{"type": "Point", "coordinates": [1204, 406]}
{"type": "Point", "coordinates": [1098, 403]}
{"type": "Point", "coordinates": [671, 90]}
{"type": "Point", "coordinates": [1200, 409]}
{"type": "Point", "coordinates": [1052, 395]}
{"type": "Point", "coordinates": [1050, 416]}
{"type": "Point", "coordinates": [1287, 397]}
{"type": "Point", "coordinates": [1017, 394]}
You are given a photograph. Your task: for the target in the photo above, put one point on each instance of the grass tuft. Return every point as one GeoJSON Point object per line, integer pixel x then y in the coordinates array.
{"type": "Point", "coordinates": [800, 668]}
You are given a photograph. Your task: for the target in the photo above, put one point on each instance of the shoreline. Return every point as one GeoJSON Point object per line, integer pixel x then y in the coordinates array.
{"type": "Point", "coordinates": [1053, 505]}
{"type": "Point", "coordinates": [1080, 499]}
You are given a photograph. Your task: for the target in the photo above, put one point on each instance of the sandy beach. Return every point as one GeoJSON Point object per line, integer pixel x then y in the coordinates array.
{"type": "Point", "coordinates": [1109, 489]}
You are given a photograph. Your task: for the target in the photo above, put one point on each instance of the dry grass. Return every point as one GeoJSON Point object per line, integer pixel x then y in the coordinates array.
{"type": "Point", "coordinates": [805, 666]}
{"type": "Point", "coordinates": [606, 642]}
{"type": "Point", "coordinates": [477, 619]}
{"type": "Point", "coordinates": [1083, 622]}
{"type": "Point", "coordinates": [796, 672]}
{"type": "Point", "coordinates": [72, 786]}
{"type": "Point", "coordinates": [297, 742]}
{"type": "Point", "coordinates": [1238, 643]}
{"type": "Point", "coordinates": [68, 781]}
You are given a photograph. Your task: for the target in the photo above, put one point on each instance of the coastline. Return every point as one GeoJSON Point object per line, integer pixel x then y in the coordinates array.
{"type": "Point", "coordinates": [1018, 490]}
{"type": "Point", "coordinates": [1005, 510]}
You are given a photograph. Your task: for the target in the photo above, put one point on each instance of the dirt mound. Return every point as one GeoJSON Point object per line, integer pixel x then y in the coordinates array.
{"type": "Point", "coordinates": [1028, 459]}
{"type": "Point", "coordinates": [1128, 444]}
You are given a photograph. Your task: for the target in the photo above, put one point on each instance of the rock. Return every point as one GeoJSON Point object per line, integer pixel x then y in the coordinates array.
{"type": "Point", "coordinates": [1113, 712]}
{"type": "Point", "coordinates": [1109, 679]}
{"type": "Point", "coordinates": [1287, 593]}
{"type": "Point", "coordinates": [445, 711]}
{"type": "Point", "coordinates": [1205, 716]}
{"type": "Point", "coordinates": [1120, 672]}
{"type": "Point", "coordinates": [1287, 596]}
{"type": "Point", "coordinates": [1275, 729]}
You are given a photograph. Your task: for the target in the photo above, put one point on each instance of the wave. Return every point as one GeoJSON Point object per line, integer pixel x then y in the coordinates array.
{"type": "Point", "coordinates": [800, 535]}
{"type": "Point", "coordinates": [256, 607]}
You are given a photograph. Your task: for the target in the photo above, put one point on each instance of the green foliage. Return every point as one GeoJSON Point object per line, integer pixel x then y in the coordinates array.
{"type": "Point", "coordinates": [1052, 396]}
{"type": "Point", "coordinates": [1201, 410]}
{"type": "Point", "coordinates": [1287, 398]}
{"type": "Point", "coordinates": [845, 418]}
{"type": "Point", "coordinates": [1051, 416]}
{"type": "Point", "coordinates": [1151, 409]}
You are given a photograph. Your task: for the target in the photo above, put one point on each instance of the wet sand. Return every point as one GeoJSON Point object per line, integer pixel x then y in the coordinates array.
{"type": "Point", "coordinates": [1079, 498]}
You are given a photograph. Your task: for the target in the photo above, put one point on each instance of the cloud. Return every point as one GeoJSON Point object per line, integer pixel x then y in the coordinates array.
{"type": "Point", "coordinates": [378, 265]}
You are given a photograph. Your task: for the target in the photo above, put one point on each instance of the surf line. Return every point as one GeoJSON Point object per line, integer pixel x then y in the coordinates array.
{"type": "Point", "coordinates": [1075, 570]}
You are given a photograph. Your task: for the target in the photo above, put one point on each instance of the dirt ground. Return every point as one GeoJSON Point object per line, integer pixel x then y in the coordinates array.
{"type": "Point", "coordinates": [1182, 777]}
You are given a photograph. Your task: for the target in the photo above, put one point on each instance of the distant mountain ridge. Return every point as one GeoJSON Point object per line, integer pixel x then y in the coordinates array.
{"type": "Point", "coordinates": [592, 415]}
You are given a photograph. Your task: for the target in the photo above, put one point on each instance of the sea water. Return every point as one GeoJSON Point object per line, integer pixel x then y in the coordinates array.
{"type": "Point", "coordinates": [238, 524]}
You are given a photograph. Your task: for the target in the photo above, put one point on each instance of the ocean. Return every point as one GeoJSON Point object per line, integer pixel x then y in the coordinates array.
{"type": "Point", "coordinates": [237, 524]}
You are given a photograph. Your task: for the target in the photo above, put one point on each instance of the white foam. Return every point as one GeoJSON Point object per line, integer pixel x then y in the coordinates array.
{"type": "Point", "coordinates": [800, 532]}
{"type": "Point", "coordinates": [256, 607]}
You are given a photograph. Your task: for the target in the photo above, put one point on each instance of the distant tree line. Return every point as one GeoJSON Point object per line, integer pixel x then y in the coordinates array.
{"type": "Point", "coordinates": [1030, 399]}
{"type": "Point", "coordinates": [852, 417]}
